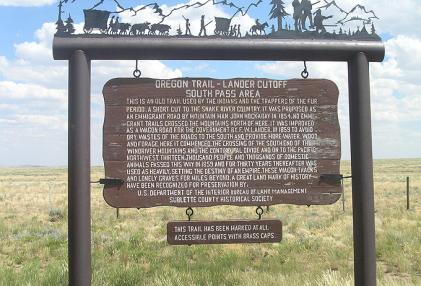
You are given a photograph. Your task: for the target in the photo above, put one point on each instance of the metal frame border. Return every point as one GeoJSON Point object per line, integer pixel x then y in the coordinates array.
{"type": "Point", "coordinates": [79, 51]}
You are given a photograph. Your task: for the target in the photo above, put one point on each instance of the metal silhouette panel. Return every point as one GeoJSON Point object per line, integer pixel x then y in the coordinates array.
{"type": "Point", "coordinates": [309, 20]}
{"type": "Point", "coordinates": [193, 142]}
{"type": "Point", "coordinates": [224, 232]}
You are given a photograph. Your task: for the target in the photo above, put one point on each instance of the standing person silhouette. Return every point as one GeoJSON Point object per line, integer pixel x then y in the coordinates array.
{"type": "Point", "coordinates": [111, 25]}
{"type": "Point", "coordinates": [298, 11]}
{"type": "Point", "coordinates": [318, 21]}
{"type": "Point", "coordinates": [202, 26]}
{"type": "Point", "coordinates": [188, 31]}
{"type": "Point", "coordinates": [306, 7]}
{"type": "Point", "coordinates": [238, 34]}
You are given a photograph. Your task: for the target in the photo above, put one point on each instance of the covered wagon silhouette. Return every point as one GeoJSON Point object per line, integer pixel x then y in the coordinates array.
{"type": "Point", "coordinates": [96, 19]}
{"type": "Point", "coordinates": [222, 26]}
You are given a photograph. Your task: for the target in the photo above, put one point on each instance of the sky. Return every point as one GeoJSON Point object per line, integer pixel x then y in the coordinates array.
{"type": "Point", "coordinates": [33, 87]}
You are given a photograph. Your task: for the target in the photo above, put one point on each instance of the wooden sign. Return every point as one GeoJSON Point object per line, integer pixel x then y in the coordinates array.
{"type": "Point", "coordinates": [193, 142]}
{"type": "Point", "coordinates": [224, 232]}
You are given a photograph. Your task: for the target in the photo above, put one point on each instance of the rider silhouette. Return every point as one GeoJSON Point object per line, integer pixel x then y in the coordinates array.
{"type": "Point", "coordinates": [115, 26]}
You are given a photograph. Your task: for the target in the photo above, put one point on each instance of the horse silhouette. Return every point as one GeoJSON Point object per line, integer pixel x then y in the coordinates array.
{"type": "Point", "coordinates": [259, 29]}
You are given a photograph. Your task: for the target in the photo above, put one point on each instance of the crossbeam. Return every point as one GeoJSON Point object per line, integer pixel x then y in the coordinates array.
{"type": "Point", "coordinates": [133, 48]}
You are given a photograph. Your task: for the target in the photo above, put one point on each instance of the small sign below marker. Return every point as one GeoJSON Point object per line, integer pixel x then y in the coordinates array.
{"type": "Point", "coordinates": [224, 232]}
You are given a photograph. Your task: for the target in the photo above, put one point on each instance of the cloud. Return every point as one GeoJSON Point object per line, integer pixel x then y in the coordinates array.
{"type": "Point", "coordinates": [395, 94]}
{"type": "Point", "coordinates": [26, 3]}
{"type": "Point", "coordinates": [102, 71]}
{"type": "Point", "coordinates": [40, 50]}
{"type": "Point", "coordinates": [13, 90]}
{"type": "Point", "coordinates": [34, 62]}
{"type": "Point", "coordinates": [8, 107]}
{"type": "Point", "coordinates": [406, 51]}
{"type": "Point", "coordinates": [396, 90]}
{"type": "Point", "coordinates": [43, 121]}
{"type": "Point", "coordinates": [196, 68]}
{"type": "Point", "coordinates": [33, 95]}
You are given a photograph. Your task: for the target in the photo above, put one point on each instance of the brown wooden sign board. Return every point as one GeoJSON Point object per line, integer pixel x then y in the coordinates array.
{"type": "Point", "coordinates": [224, 232]}
{"type": "Point", "coordinates": [199, 142]}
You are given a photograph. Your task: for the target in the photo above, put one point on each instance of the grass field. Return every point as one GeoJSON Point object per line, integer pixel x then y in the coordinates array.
{"type": "Point", "coordinates": [132, 250]}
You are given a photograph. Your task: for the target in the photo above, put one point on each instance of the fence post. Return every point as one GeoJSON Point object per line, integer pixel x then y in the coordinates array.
{"type": "Point", "coordinates": [407, 193]}
{"type": "Point", "coordinates": [343, 195]}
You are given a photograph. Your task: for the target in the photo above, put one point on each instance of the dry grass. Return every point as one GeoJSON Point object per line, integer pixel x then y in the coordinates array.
{"type": "Point", "coordinates": [132, 250]}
